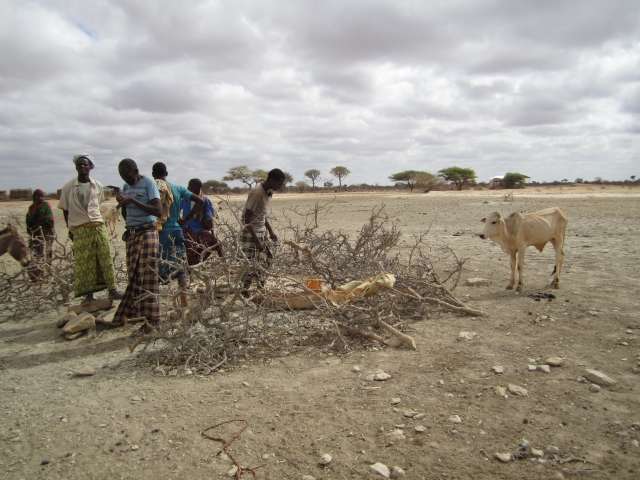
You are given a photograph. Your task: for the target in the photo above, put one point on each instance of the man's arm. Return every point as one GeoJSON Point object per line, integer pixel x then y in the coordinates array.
{"type": "Point", "coordinates": [152, 208]}
{"type": "Point", "coordinates": [272, 234]}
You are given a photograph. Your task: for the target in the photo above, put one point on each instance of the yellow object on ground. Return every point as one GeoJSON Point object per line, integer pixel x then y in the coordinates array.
{"type": "Point", "coordinates": [346, 293]}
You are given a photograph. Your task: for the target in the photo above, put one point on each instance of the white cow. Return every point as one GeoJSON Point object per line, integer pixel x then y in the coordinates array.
{"type": "Point", "coordinates": [518, 231]}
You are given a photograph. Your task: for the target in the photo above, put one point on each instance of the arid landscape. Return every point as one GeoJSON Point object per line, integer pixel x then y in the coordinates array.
{"type": "Point", "coordinates": [440, 415]}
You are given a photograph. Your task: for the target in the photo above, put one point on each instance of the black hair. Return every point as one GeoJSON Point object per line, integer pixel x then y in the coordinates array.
{"type": "Point", "coordinates": [276, 174]}
{"type": "Point", "coordinates": [196, 181]}
{"type": "Point", "coordinates": [159, 169]}
{"type": "Point", "coordinates": [127, 162]}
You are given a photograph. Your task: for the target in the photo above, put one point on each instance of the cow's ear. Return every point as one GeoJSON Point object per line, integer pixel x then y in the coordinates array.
{"type": "Point", "coordinates": [484, 220]}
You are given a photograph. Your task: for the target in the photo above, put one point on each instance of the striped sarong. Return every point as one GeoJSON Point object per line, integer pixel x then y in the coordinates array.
{"type": "Point", "coordinates": [141, 299]}
{"type": "Point", "coordinates": [92, 259]}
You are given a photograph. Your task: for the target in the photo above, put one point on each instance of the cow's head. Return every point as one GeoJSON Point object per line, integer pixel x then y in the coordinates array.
{"type": "Point", "coordinates": [492, 226]}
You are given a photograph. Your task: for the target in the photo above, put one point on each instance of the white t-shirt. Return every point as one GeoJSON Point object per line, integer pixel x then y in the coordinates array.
{"type": "Point", "coordinates": [258, 202]}
{"type": "Point", "coordinates": [82, 201]}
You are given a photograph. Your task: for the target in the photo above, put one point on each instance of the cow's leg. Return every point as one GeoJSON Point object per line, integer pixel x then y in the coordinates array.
{"type": "Point", "coordinates": [514, 265]}
{"type": "Point", "coordinates": [559, 248]}
{"type": "Point", "coordinates": [520, 268]}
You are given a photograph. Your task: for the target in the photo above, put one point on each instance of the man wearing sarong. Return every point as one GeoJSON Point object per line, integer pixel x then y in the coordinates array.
{"type": "Point", "coordinates": [140, 202]}
{"type": "Point", "coordinates": [80, 202]}
{"type": "Point", "coordinates": [256, 227]}
{"type": "Point", "coordinates": [172, 245]}
{"type": "Point", "coordinates": [39, 221]}
{"type": "Point", "coordinates": [197, 224]}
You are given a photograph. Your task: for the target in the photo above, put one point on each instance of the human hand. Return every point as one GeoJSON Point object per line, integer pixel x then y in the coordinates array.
{"type": "Point", "coordinates": [122, 199]}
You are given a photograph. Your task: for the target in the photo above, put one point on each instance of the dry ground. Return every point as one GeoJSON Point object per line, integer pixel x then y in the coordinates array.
{"type": "Point", "coordinates": [128, 423]}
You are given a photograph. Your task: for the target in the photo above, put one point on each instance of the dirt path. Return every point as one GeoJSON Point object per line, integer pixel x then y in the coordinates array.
{"type": "Point", "coordinates": [128, 423]}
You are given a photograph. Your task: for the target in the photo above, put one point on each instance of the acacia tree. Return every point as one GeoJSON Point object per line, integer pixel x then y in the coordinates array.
{"type": "Point", "coordinates": [312, 175]}
{"type": "Point", "coordinates": [214, 186]}
{"type": "Point", "coordinates": [514, 180]}
{"type": "Point", "coordinates": [340, 172]}
{"type": "Point", "coordinates": [412, 178]}
{"type": "Point", "coordinates": [259, 175]}
{"type": "Point", "coordinates": [241, 174]}
{"type": "Point", "coordinates": [459, 176]}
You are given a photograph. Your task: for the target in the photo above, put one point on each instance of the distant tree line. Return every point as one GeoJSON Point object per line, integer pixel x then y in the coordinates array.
{"type": "Point", "coordinates": [455, 177]}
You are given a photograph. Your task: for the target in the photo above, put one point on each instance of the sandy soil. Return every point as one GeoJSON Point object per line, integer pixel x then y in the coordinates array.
{"type": "Point", "coordinates": [125, 422]}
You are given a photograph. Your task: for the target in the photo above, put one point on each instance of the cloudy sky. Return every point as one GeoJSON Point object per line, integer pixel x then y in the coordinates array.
{"type": "Point", "coordinates": [550, 88]}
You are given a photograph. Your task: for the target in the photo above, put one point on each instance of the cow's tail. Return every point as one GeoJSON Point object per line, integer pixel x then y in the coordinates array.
{"type": "Point", "coordinates": [564, 236]}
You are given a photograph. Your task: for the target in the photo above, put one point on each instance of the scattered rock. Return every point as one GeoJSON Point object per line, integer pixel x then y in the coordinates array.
{"type": "Point", "coordinates": [537, 453]}
{"type": "Point", "coordinates": [455, 419]}
{"type": "Point", "coordinates": [635, 443]}
{"type": "Point", "coordinates": [356, 369]}
{"type": "Point", "coordinates": [552, 450]}
{"type": "Point", "coordinates": [381, 376]}
{"type": "Point", "coordinates": [232, 471]}
{"type": "Point", "coordinates": [380, 469]}
{"type": "Point", "coordinates": [308, 477]}
{"type": "Point", "coordinates": [246, 384]}
{"type": "Point", "coordinates": [66, 318]}
{"type": "Point", "coordinates": [83, 372]}
{"type": "Point", "coordinates": [476, 282]}
{"type": "Point", "coordinates": [73, 336]}
{"type": "Point", "coordinates": [397, 472]}
{"type": "Point", "coordinates": [86, 321]}
{"type": "Point", "coordinates": [594, 388]}
{"type": "Point", "coordinates": [92, 306]}
{"type": "Point", "coordinates": [532, 368]}
{"type": "Point", "coordinates": [544, 368]}
{"type": "Point", "coordinates": [44, 461]}
{"type": "Point", "coordinates": [325, 459]}
{"type": "Point", "coordinates": [501, 391]}
{"type": "Point", "coordinates": [498, 369]}
{"type": "Point", "coordinates": [136, 398]}
{"type": "Point", "coordinates": [135, 447]}
{"type": "Point", "coordinates": [596, 376]}
{"type": "Point", "coordinates": [419, 416]}
{"type": "Point", "coordinates": [420, 428]}
{"type": "Point", "coordinates": [593, 313]}
{"type": "Point", "coordinates": [554, 361]}
{"type": "Point", "coordinates": [395, 400]}
{"type": "Point", "coordinates": [503, 457]}
{"type": "Point", "coordinates": [464, 335]}
{"type": "Point", "coordinates": [409, 413]}
{"type": "Point", "coordinates": [396, 435]}
{"type": "Point", "coordinates": [106, 318]}
{"type": "Point", "coordinates": [517, 390]}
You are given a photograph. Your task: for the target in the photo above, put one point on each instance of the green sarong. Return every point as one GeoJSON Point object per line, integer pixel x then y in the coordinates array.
{"type": "Point", "coordinates": [92, 258]}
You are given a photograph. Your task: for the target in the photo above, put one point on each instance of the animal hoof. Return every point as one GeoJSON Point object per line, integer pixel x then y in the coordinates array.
{"type": "Point", "coordinates": [509, 287]}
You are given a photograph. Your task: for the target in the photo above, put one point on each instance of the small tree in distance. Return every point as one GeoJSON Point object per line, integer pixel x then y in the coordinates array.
{"type": "Point", "coordinates": [241, 174]}
{"type": "Point", "coordinates": [459, 176]}
{"type": "Point", "coordinates": [408, 177]}
{"type": "Point", "coordinates": [313, 175]}
{"type": "Point", "coordinates": [514, 180]}
{"type": "Point", "coordinates": [339, 172]}
{"type": "Point", "coordinates": [214, 186]}
{"type": "Point", "coordinates": [259, 175]}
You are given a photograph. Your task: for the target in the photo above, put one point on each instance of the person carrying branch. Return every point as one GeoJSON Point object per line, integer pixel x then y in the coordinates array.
{"type": "Point", "coordinates": [140, 202]}
{"type": "Point", "coordinates": [255, 229]}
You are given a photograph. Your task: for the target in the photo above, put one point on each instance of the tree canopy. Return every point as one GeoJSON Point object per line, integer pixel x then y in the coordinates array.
{"type": "Point", "coordinates": [214, 186]}
{"type": "Point", "coordinates": [514, 180]}
{"type": "Point", "coordinates": [340, 172]}
{"type": "Point", "coordinates": [459, 176]}
{"type": "Point", "coordinates": [413, 178]}
{"type": "Point", "coordinates": [242, 174]}
{"type": "Point", "coordinates": [313, 175]}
